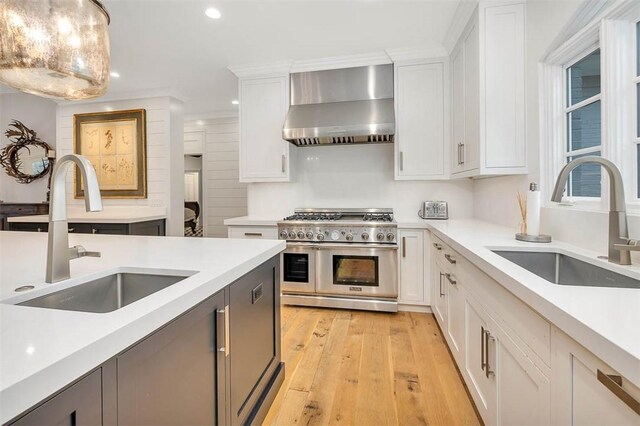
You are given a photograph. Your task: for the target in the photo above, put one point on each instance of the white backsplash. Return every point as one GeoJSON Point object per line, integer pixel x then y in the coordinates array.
{"type": "Point", "coordinates": [354, 176]}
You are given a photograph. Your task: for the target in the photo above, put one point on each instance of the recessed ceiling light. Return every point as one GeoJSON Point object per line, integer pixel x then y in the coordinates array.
{"type": "Point", "coordinates": [213, 13]}
{"type": "Point", "coordinates": [235, 102]}
{"type": "Point", "coordinates": [115, 74]}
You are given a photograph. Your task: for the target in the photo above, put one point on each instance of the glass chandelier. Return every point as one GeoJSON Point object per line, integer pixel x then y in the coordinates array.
{"type": "Point", "coordinates": [55, 48]}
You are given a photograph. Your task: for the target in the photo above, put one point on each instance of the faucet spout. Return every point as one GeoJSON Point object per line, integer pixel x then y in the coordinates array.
{"type": "Point", "coordinates": [618, 230]}
{"type": "Point", "coordinates": [58, 252]}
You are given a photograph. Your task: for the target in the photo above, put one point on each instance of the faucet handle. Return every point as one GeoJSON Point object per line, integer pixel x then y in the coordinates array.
{"type": "Point", "coordinates": [632, 245]}
{"type": "Point", "coordinates": [82, 252]}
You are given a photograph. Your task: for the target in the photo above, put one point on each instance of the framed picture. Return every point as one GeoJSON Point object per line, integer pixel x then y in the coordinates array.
{"type": "Point", "coordinates": [115, 143]}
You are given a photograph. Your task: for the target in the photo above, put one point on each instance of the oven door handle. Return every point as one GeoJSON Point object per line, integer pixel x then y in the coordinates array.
{"type": "Point", "coordinates": [358, 246]}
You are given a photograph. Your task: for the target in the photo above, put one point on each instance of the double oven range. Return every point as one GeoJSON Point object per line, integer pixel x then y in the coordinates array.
{"type": "Point", "coordinates": [340, 258]}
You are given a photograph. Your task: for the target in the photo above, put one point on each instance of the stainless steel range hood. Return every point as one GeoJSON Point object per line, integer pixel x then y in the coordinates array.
{"type": "Point", "coordinates": [344, 106]}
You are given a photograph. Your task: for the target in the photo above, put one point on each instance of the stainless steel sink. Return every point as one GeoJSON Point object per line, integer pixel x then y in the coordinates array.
{"type": "Point", "coordinates": [106, 294]}
{"type": "Point", "coordinates": [561, 269]}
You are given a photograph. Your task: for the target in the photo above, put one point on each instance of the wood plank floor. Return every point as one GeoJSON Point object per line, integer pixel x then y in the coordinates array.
{"type": "Point", "coordinates": [367, 368]}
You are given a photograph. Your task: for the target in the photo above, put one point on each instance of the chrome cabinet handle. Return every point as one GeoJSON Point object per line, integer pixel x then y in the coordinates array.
{"type": "Point", "coordinates": [253, 234]}
{"type": "Point", "coordinates": [437, 246]}
{"type": "Point", "coordinates": [284, 159]}
{"type": "Point", "coordinates": [483, 364]}
{"type": "Point", "coordinates": [614, 384]}
{"type": "Point", "coordinates": [488, 337]}
{"type": "Point", "coordinates": [401, 161]}
{"type": "Point", "coordinates": [225, 313]}
{"type": "Point", "coordinates": [404, 246]}
{"type": "Point", "coordinates": [462, 150]}
{"type": "Point", "coordinates": [441, 293]}
{"type": "Point", "coordinates": [450, 259]}
{"type": "Point", "coordinates": [451, 279]}
{"type": "Point", "coordinates": [459, 145]}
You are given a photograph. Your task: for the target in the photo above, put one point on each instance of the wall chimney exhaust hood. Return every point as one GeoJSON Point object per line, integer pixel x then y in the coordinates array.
{"type": "Point", "coordinates": [343, 106]}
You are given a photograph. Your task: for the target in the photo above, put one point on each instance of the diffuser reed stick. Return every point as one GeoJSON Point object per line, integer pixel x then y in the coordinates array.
{"type": "Point", "coordinates": [522, 203]}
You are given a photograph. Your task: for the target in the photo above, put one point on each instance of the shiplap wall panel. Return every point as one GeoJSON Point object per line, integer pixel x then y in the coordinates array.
{"type": "Point", "coordinates": [224, 196]}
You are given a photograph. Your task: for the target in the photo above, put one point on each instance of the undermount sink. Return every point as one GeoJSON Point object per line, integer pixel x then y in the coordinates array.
{"type": "Point", "coordinates": [562, 269]}
{"type": "Point", "coordinates": [106, 294]}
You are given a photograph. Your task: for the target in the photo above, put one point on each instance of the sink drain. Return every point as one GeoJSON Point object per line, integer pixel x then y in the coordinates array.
{"type": "Point", "coordinates": [25, 288]}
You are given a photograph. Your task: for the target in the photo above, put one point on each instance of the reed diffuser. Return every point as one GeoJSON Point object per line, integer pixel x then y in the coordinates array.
{"type": "Point", "coordinates": [522, 203]}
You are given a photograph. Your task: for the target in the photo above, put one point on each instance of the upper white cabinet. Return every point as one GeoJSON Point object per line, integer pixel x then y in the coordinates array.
{"type": "Point", "coordinates": [264, 155]}
{"type": "Point", "coordinates": [488, 100]}
{"type": "Point", "coordinates": [421, 119]}
{"type": "Point", "coordinates": [194, 142]}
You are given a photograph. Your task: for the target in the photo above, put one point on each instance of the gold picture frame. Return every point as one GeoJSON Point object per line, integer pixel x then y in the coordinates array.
{"type": "Point", "coordinates": [116, 144]}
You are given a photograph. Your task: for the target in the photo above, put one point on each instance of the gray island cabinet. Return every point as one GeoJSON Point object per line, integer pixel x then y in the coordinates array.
{"type": "Point", "coordinates": [218, 363]}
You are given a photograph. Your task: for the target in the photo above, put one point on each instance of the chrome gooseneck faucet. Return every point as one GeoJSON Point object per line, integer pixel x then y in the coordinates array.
{"type": "Point", "coordinates": [620, 245]}
{"type": "Point", "coordinates": [59, 254]}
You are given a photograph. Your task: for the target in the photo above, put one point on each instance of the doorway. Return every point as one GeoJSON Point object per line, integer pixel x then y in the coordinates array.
{"type": "Point", "coordinates": [193, 196]}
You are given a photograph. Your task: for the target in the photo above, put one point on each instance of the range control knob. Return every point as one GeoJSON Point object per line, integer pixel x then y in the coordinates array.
{"type": "Point", "coordinates": [349, 237]}
{"type": "Point", "coordinates": [320, 237]}
{"type": "Point", "coordinates": [300, 234]}
{"type": "Point", "coordinates": [335, 235]}
{"type": "Point", "coordinates": [380, 236]}
{"type": "Point", "coordinates": [309, 235]}
{"type": "Point", "coordinates": [365, 236]}
{"type": "Point", "coordinates": [390, 236]}
{"type": "Point", "coordinates": [292, 234]}
{"type": "Point", "coordinates": [284, 234]}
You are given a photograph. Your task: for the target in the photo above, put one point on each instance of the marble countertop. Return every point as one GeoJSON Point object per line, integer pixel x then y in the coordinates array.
{"type": "Point", "coordinates": [43, 350]}
{"type": "Point", "coordinates": [119, 214]}
{"type": "Point", "coordinates": [603, 320]}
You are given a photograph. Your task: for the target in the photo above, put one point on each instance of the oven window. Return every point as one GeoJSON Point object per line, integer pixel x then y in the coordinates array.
{"type": "Point", "coordinates": [296, 267]}
{"type": "Point", "coordinates": [355, 270]}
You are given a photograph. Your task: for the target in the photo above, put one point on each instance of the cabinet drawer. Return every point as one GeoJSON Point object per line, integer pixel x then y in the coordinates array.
{"type": "Point", "coordinates": [445, 255]}
{"type": "Point", "coordinates": [266, 232]}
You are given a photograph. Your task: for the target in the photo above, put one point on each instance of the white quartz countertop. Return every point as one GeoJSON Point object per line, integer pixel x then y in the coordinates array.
{"type": "Point", "coordinates": [108, 215]}
{"type": "Point", "coordinates": [252, 221]}
{"type": "Point", "coordinates": [604, 320]}
{"type": "Point", "coordinates": [43, 350]}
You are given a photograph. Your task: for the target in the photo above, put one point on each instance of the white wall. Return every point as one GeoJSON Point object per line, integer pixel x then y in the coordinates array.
{"type": "Point", "coordinates": [354, 176]}
{"type": "Point", "coordinates": [224, 196]}
{"type": "Point", "coordinates": [38, 114]}
{"type": "Point", "coordinates": [165, 152]}
{"type": "Point", "coordinates": [495, 198]}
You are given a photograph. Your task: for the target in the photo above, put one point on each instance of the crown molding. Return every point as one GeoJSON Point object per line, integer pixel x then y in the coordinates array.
{"type": "Point", "coordinates": [125, 96]}
{"type": "Point", "coordinates": [263, 70]}
{"type": "Point", "coordinates": [213, 115]}
{"type": "Point", "coordinates": [415, 53]}
{"type": "Point", "coordinates": [337, 62]}
{"type": "Point", "coordinates": [463, 13]}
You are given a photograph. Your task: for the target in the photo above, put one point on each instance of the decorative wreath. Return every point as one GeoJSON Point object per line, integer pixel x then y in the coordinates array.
{"type": "Point", "coordinates": [21, 137]}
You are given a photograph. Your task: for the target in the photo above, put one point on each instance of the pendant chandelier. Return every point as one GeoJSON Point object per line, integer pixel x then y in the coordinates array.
{"type": "Point", "coordinates": [55, 48]}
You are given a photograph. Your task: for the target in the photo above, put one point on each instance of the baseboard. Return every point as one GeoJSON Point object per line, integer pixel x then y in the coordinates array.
{"type": "Point", "coordinates": [415, 308]}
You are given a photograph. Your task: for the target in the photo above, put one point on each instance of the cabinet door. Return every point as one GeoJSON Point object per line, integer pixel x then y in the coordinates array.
{"type": "Point", "coordinates": [458, 110]}
{"type": "Point", "coordinates": [481, 387]}
{"type": "Point", "coordinates": [439, 299]}
{"type": "Point", "coordinates": [455, 316]}
{"type": "Point", "coordinates": [254, 336]}
{"type": "Point", "coordinates": [420, 121]}
{"type": "Point", "coordinates": [264, 155]}
{"type": "Point", "coordinates": [471, 149]}
{"type": "Point", "coordinates": [523, 392]}
{"type": "Point", "coordinates": [411, 269]}
{"type": "Point", "coordinates": [194, 142]}
{"type": "Point", "coordinates": [80, 404]}
{"type": "Point", "coordinates": [176, 375]}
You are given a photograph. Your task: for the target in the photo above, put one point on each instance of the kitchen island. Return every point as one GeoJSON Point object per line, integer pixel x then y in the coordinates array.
{"type": "Point", "coordinates": [45, 351]}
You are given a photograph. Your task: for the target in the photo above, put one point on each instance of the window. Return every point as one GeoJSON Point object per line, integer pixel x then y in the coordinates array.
{"type": "Point", "coordinates": [583, 123]}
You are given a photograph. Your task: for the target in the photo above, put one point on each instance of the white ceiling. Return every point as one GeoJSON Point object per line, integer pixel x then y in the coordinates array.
{"type": "Point", "coordinates": [171, 44]}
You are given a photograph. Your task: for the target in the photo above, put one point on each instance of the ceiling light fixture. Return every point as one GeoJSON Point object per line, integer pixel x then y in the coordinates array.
{"type": "Point", "coordinates": [115, 74]}
{"type": "Point", "coordinates": [235, 102]}
{"type": "Point", "coordinates": [213, 13]}
{"type": "Point", "coordinates": [55, 49]}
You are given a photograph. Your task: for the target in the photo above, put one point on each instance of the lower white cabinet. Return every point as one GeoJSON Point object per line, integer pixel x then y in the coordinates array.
{"type": "Point", "coordinates": [411, 281]}
{"type": "Point", "coordinates": [439, 299]}
{"type": "Point", "coordinates": [587, 391]}
{"type": "Point", "coordinates": [455, 300]}
{"type": "Point", "coordinates": [265, 232]}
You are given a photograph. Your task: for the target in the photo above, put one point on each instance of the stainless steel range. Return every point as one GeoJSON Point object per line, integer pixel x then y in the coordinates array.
{"type": "Point", "coordinates": [341, 258]}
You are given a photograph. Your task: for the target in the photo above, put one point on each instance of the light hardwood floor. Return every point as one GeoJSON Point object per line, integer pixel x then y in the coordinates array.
{"type": "Point", "coordinates": [366, 368]}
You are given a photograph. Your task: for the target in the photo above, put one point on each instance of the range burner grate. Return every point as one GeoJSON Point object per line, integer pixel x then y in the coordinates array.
{"type": "Point", "coordinates": [378, 217]}
{"type": "Point", "coordinates": [315, 217]}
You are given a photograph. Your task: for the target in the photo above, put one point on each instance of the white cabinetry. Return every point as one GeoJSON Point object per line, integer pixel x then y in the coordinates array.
{"type": "Point", "coordinates": [584, 388]}
{"type": "Point", "coordinates": [264, 155]}
{"type": "Point", "coordinates": [194, 142]}
{"type": "Point", "coordinates": [260, 232]}
{"type": "Point", "coordinates": [488, 78]}
{"type": "Point", "coordinates": [421, 119]}
{"type": "Point", "coordinates": [411, 271]}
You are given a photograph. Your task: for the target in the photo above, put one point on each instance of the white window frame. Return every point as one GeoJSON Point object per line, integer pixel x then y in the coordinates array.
{"type": "Point", "coordinates": [612, 29]}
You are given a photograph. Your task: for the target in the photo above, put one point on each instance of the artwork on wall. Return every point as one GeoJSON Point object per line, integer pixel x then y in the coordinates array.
{"type": "Point", "coordinates": [115, 143]}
